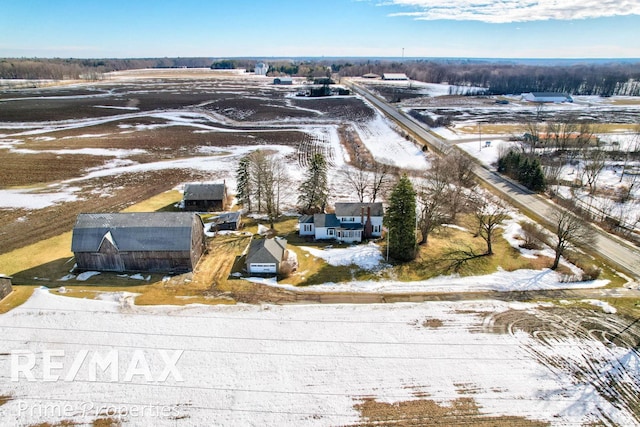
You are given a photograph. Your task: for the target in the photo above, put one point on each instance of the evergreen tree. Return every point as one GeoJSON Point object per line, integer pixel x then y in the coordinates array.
{"type": "Point", "coordinates": [314, 190]}
{"type": "Point", "coordinates": [243, 186]}
{"type": "Point", "coordinates": [400, 220]}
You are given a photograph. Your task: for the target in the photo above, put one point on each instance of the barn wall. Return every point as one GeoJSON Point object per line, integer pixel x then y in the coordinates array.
{"type": "Point", "coordinates": [5, 287]}
{"type": "Point", "coordinates": [197, 240]}
{"type": "Point", "coordinates": [160, 261]}
{"type": "Point", "coordinates": [203, 205]}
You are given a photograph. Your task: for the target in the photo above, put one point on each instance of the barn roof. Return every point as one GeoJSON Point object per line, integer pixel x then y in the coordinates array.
{"type": "Point", "coordinates": [264, 251]}
{"type": "Point", "coordinates": [394, 76]}
{"type": "Point", "coordinates": [355, 209]}
{"type": "Point", "coordinates": [139, 231]}
{"type": "Point", "coordinates": [204, 192]}
{"type": "Point", "coordinates": [549, 95]}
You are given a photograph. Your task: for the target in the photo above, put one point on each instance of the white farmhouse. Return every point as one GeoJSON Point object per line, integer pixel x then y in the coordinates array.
{"type": "Point", "coordinates": [351, 222]}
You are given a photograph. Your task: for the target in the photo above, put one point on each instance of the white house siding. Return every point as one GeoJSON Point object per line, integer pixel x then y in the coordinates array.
{"type": "Point", "coordinates": [325, 233]}
{"type": "Point", "coordinates": [257, 268]}
{"type": "Point", "coordinates": [307, 229]}
{"type": "Point", "coordinates": [376, 222]}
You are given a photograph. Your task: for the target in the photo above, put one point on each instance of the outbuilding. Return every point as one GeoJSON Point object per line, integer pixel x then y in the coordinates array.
{"type": "Point", "coordinates": [394, 76]}
{"type": "Point", "coordinates": [283, 81]}
{"type": "Point", "coordinates": [266, 255]}
{"type": "Point", "coordinates": [225, 221]}
{"type": "Point", "coordinates": [5, 286]}
{"type": "Point", "coordinates": [205, 197]}
{"type": "Point", "coordinates": [547, 97]}
{"type": "Point", "coordinates": [163, 242]}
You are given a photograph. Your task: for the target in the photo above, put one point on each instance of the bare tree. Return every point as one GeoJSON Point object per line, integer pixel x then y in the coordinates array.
{"type": "Point", "coordinates": [433, 196]}
{"type": "Point", "coordinates": [358, 179]}
{"type": "Point", "coordinates": [570, 231]}
{"type": "Point", "coordinates": [266, 182]}
{"type": "Point", "coordinates": [275, 179]}
{"type": "Point", "coordinates": [460, 167]}
{"type": "Point", "coordinates": [381, 180]}
{"type": "Point", "coordinates": [489, 215]}
{"type": "Point", "coordinates": [632, 147]}
{"type": "Point", "coordinates": [593, 164]}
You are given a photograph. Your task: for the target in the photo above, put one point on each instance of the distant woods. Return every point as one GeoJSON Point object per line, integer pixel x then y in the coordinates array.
{"type": "Point", "coordinates": [90, 69]}
{"type": "Point", "coordinates": [502, 78]}
{"type": "Point", "coordinates": [497, 77]}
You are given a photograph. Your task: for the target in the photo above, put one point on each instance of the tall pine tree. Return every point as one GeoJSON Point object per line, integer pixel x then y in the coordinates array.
{"type": "Point", "coordinates": [314, 190]}
{"type": "Point", "coordinates": [243, 180]}
{"type": "Point", "coordinates": [400, 220]}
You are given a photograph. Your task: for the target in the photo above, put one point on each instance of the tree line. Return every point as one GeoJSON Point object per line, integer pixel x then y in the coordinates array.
{"type": "Point", "coordinates": [497, 78]}
{"type": "Point", "coordinates": [73, 68]}
{"type": "Point", "coordinates": [502, 78]}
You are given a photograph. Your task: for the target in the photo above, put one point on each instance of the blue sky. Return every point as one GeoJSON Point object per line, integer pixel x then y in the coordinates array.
{"type": "Point", "coordinates": [290, 28]}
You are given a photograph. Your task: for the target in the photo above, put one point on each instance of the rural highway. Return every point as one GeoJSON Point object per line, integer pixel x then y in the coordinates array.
{"type": "Point", "coordinates": [616, 251]}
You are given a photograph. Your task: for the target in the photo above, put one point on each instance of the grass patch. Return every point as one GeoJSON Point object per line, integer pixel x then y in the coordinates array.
{"type": "Point", "coordinates": [451, 250]}
{"type": "Point", "coordinates": [16, 298]}
{"type": "Point", "coordinates": [492, 128]}
{"type": "Point", "coordinates": [38, 254]}
{"type": "Point", "coordinates": [163, 202]}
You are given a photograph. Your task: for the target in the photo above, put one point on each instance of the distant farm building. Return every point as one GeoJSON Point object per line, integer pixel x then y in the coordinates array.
{"type": "Point", "coordinates": [166, 242]}
{"type": "Point", "coordinates": [5, 286]}
{"type": "Point", "coordinates": [283, 81]}
{"type": "Point", "coordinates": [205, 197]}
{"type": "Point", "coordinates": [266, 255]}
{"type": "Point", "coordinates": [550, 97]}
{"type": "Point", "coordinates": [261, 69]}
{"type": "Point", "coordinates": [371, 76]}
{"type": "Point", "coordinates": [225, 221]}
{"type": "Point", "coordinates": [394, 76]}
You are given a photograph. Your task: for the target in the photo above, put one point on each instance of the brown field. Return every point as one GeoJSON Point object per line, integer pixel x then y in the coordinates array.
{"type": "Point", "coordinates": [37, 123]}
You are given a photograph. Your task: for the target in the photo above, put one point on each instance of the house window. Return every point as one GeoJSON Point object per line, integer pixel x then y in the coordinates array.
{"type": "Point", "coordinates": [330, 232]}
{"type": "Point", "coordinates": [306, 227]}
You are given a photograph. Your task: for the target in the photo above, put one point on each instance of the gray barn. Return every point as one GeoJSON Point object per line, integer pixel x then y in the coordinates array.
{"type": "Point", "coordinates": [5, 286]}
{"type": "Point", "coordinates": [205, 197]}
{"type": "Point", "coordinates": [164, 242]}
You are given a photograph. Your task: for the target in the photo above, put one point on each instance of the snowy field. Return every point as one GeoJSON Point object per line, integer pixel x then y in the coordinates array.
{"type": "Point", "coordinates": [377, 134]}
{"type": "Point", "coordinates": [302, 365]}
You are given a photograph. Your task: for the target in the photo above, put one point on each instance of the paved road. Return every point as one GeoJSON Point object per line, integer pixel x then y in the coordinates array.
{"type": "Point", "coordinates": [616, 251]}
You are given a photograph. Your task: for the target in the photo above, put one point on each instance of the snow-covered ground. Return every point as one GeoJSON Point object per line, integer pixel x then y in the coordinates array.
{"type": "Point", "coordinates": [385, 144]}
{"type": "Point", "coordinates": [295, 365]}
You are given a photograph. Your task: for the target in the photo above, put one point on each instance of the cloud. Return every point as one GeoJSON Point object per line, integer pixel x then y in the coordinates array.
{"type": "Point", "coordinates": [504, 11]}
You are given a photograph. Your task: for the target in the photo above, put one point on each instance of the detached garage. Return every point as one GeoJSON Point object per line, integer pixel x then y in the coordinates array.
{"type": "Point", "coordinates": [162, 242]}
{"type": "Point", "coordinates": [265, 255]}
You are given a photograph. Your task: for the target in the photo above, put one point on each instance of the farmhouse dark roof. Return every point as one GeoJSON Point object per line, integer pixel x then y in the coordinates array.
{"type": "Point", "coordinates": [134, 232]}
{"type": "Point", "coordinates": [355, 209]}
{"type": "Point", "coordinates": [305, 219]}
{"type": "Point", "coordinates": [204, 192]}
{"type": "Point", "coordinates": [262, 251]}
{"type": "Point", "coordinates": [325, 220]}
